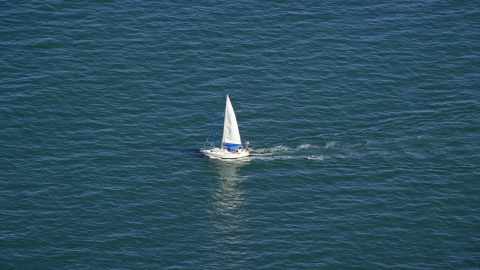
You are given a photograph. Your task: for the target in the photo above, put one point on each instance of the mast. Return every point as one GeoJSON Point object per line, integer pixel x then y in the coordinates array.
{"type": "Point", "coordinates": [224, 121]}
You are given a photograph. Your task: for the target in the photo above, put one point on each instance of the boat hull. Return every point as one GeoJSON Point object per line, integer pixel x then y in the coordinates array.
{"type": "Point", "coordinates": [224, 154]}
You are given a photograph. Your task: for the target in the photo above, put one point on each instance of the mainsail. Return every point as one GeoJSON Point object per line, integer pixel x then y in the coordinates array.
{"type": "Point", "coordinates": [231, 135]}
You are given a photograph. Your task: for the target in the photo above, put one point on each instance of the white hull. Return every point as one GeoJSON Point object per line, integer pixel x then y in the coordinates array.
{"type": "Point", "coordinates": [222, 154]}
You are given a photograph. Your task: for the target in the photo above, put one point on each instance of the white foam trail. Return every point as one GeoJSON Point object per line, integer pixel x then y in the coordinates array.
{"type": "Point", "coordinates": [286, 157]}
{"type": "Point", "coordinates": [281, 148]}
{"type": "Point", "coordinates": [320, 158]}
{"type": "Point", "coordinates": [274, 149]}
{"type": "Point", "coordinates": [381, 153]}
{"type": "Point", "coordinates": [330, 145]}
{"type": "Point", "coordinates": [314, 152]}
{"type": "Point", "coordinates": [307, 146]}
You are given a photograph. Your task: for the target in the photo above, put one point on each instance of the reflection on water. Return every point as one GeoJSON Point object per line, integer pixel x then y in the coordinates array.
{"type": "Point", "coordinates": [228, 216]}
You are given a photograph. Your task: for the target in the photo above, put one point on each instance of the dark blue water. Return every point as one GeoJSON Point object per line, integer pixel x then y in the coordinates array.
{"type": "Point", "coordinates": [364, 115]}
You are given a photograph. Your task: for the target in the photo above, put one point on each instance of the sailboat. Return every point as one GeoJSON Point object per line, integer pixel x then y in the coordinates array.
{"type": "Point", "coordinates": [231, 147]}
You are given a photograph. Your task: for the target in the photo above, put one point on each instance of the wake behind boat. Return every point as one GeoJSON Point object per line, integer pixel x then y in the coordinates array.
{"type": "Point", "coordinates": [231, 147]}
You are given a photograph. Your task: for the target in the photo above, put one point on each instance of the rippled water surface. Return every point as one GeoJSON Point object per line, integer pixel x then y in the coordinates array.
{"type": "Point", "coordinates": [365, 120]}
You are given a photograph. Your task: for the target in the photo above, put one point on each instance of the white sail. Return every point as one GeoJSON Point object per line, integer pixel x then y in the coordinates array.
{"type": "Point", "coordinates": [231, 135]}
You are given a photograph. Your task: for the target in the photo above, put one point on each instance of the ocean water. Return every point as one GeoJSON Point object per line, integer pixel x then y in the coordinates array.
{"type": "Point", "coordinates": [364, 116]}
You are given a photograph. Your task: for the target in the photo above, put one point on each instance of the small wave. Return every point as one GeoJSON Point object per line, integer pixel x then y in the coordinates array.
{"type": "Point", "coordinates": [330, 145]}
{"type": "Point", "coordinates": [424, 137]}
{"type": "Point", "coordinates": [307, 146]}
{"type": "Point", "coordinates": [354, 145]}
{"type": "Point", "coordinates": [322, 157]}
